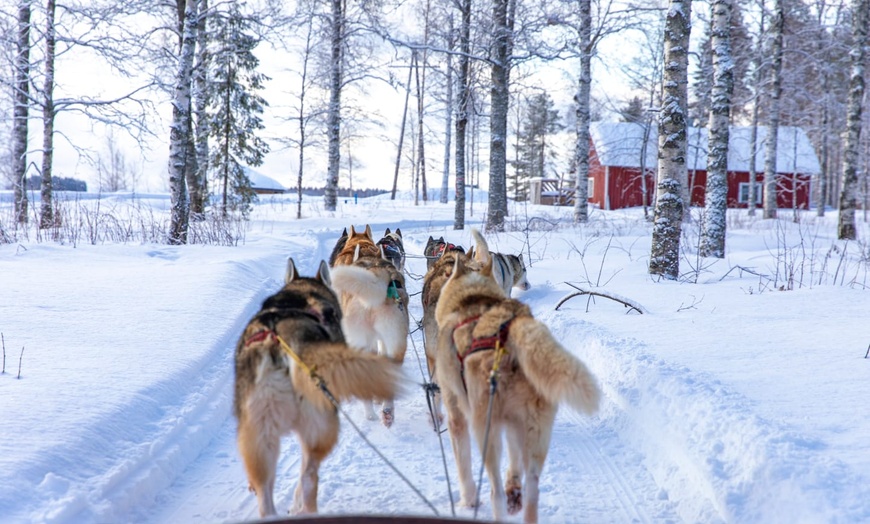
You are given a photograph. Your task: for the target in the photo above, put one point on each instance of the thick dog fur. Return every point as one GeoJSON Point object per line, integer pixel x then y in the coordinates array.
{"type": "Point", "coordinates": [535, 374]}
{"type": "Point", "coordinates": [394, 248]}
{"type": "Point", "coordinates": [508, 270]}
{"type": "Point", "coordinates": [374, 302]}
{"type": "Point", "coordinates": [274, 395]}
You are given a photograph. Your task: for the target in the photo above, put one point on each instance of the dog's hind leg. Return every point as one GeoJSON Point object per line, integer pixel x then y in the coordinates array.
{"type": "Point", "coordinates": [534, 455]}
{"type": "Point", "coordinates": [513, 483]}
{"type": "Point", "coordinates": [461, 444]}
{"type": "Point", "coordinates": [259, 450]}
{"type": "Point", "coordinates": [315, 447]}
{"type": "Point", "coordinates": [393, 345]}
{"type": "Point", "coordinates": [492, 463]}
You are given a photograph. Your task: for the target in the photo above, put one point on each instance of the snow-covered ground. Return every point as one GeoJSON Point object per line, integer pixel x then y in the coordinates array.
{"type": "Point", "coordinates": [729, 400]}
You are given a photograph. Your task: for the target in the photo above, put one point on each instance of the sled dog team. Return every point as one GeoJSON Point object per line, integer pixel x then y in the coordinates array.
{"type": "Point", "coordinates": [342, 334]}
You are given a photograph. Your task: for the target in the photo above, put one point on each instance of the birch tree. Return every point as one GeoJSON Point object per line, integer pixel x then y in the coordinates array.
{"type": "Point", "coordinates": [198, 180]}
{"type": "Point", "coordinates": [582, 99]}
{"type": "Point", "coordinates": [448, 117]}
{"type": "Point", "coordinates": [180, 128]}
{"type": "Point", "coordinates": [716, 199]}
{"type": "Point", "coordinates": [462, 99]}
{"type": "Point", "coordinates": [21, 107]}
{"type": "Point", "coordinates": [665, 252]}
{"type": "Point", "coordinates": [46, 214]}
{"type": "Point", "coordinates": [333, 119]}
{"type": "Point", "coordinates": [849, 187]}
{"type": "Point", "coordinates": [770, 144]}
{"type": "Point", "coordinates": [503, 12]}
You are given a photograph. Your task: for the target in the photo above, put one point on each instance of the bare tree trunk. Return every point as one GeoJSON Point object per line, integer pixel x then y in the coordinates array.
{"type": "Point", "coordinates": [716, 198]}
{"type": "Point", "coordinates": [502, 17]}
{"type": "Point", "coordinates": [448, 125]}
{"type": "Point", "coordinates": [849, 189]}
{"type": "Point", "coordinates": [198, 180]}
{"type": "Point", "coordinates": [421, 90]}
{"type": "Point", "coordinates": [756, 103]}
{"type": "Point", "coordinates": [665, 252]}
{"type": "Point", "coordinates": [21, 99]}
{"type": "Point", "coordinates": [462, 112]}
{"type": "Point", "coordinates": [46, 213]}
{"type": "Point", "coordinates": [303, 136]}
{"type": "Point", "coordinates": [180, 128]}
{"type": "Point", "coordinates": [581, 98]}
{"type": "Point", "coordinates": [404, 122]}
{"type": "Point", "coordinates": [770, 174]}
{"type": "Point", "coordinates": [333, 119]}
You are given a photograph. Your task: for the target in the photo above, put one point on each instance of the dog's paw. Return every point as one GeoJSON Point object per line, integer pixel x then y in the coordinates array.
{"type": "Point", "coordinates": [387, 417]}
{"type": "Point", "coordinates": [514, 496]}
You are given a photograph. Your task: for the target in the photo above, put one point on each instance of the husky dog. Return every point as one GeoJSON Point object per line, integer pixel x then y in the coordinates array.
{"type": "Point", "coordinates": [374, 302]}
{"type": "Point", "coordinates": [339, 245]}
{"type": "Point", "coordinates": [434, 280]}
{"type": "Point", "coordinates": [343, 252]}
{"type": "Point", "coordinates": [275, 394]}
{"type": "Point", "coordinates": [393, 248]}
{"type": "Point", "coordinates": [508, 270]}
{"type": "Point", "coordinates": [435, 248]}
{"type": "Point", "coordinates": [482, 333]}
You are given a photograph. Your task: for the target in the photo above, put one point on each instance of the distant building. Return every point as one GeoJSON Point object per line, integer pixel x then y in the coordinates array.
{"type": "Point", "coordinates": [615, 179]}
{"type": "Point", "coordinates": [262, 184]}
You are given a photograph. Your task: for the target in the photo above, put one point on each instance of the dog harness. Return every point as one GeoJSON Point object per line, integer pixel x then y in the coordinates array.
{"type": "Point", "coordinates": [391, 248]}
{"type": "Point", "coordinates": [493, 342]}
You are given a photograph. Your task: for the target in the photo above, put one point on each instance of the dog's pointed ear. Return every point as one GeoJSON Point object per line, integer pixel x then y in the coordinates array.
{"type": "Point", "coordinates": [430, 240]}
{"type": "Point", "coordinates": [323, 274]}
{"type": "Point", "coordinates": [356, 253]}
{"type": "Point", "coordinates": [291, 273]}
{"type": "Point", "coordinates": [352, 231]}
{"type": "Point", "coordinates": [344, 233]}
{"type": "Point", "coordinates": [398, 232]}
{"type": "Point", "coordinates": [387, 232]}
{"type": "Point", "coordinates": [369, 232]}
{"type": "Point", "coordinates": [470, 253]}
{"type": "Point", "coordinates": [458, 269]}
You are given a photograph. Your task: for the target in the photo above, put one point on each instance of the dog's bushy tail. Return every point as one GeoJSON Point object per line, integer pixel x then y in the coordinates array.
{"type": "Point", "coordinates": [348, 373]}
{"type": "Point", "coordinates": [361, 283]}
{"type": "Point", "coordinates": [554, 373]}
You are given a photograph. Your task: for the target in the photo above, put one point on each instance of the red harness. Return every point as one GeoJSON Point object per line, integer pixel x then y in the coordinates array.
{"type": "Point", "coordinates": [482, 343]}
{"type": "Point", "coordinates": [259, 336]}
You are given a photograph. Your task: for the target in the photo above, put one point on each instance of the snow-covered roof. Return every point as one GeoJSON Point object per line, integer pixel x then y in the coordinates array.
{"type": "Point", "coordinates": [261, 181]}
{"type": "Point", "coordinates": [619, 144]}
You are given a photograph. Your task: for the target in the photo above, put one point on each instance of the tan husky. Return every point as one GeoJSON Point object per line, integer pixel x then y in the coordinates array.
{"type": "Point", "coordinates": [484, 333]}
{"type": "Point", "coordinates": [374, 302]}
{"type": "Point", "coordinates": [275, 393]}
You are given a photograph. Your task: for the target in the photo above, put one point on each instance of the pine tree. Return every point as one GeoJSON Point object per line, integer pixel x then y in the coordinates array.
{"type": "Point", "coordinates": [541, 121]}
{"type": "Point", "coordinates": [235, 110]}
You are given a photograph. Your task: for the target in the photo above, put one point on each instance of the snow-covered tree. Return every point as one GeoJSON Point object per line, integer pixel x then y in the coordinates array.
{"type": "Point", "coordinates": [716, 199]}
{"type": "Point", "coordinates": [463, 86]}
{"type": "Point", "coordinates": [235, 110]}
{"type": "Point", "coordinates": [774, 93]}
{"type": "Point", "coordinates": [179, 130]}
{"type": "Point", "coordinates": [540, 121]}
{"type": "Point", "coordinates": [849, 189]}
{"type": "Point", "coordinates": [501, 57]}
{"type": "Point", "coordinates": [667, 226]}
{"type": "Point", "coordinates": [21, 107]}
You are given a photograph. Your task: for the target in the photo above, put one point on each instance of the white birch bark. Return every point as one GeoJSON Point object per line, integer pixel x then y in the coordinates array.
{"type": "Point", "coordinates": [716, 198]}
{"type": "Point", "coordinates": [462, 111]}
{"type": "Point", "coordinates": [179, 129]}
{"type": "Point", "coordinates": [199, 187]}
{"type": "Point", "coordinates": [770, 144]}
{"type": "Point", "coordinates": [581, 98]}
{"type": "Point", "coordinates": [21, 98]}
{"type": "Point", "coordinates": [333, 118]}
{"type": "Point", "coordinates": [849, 187]}
{"type": "Point", "coordinates": [667, 223]}
{"type": "Point", "coordinates": [46, 213]}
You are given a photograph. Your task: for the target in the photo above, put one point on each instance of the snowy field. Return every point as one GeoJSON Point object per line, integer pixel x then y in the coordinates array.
{"type": "Point", "coordinates": [740, 395]}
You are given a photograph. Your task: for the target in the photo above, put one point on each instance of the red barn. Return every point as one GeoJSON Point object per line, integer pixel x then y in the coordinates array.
{"type": "Point", "coordinates": [618, 154]}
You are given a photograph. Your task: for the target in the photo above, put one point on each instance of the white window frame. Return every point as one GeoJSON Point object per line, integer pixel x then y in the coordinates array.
{"type": "Point", "coordinates": [743, 192]}
{"type": "Point", "coordinates": [590, 189]}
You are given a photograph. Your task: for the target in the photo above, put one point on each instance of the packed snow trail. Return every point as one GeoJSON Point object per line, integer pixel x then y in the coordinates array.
{"type": "Point", "coordinates": [590, 474]}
